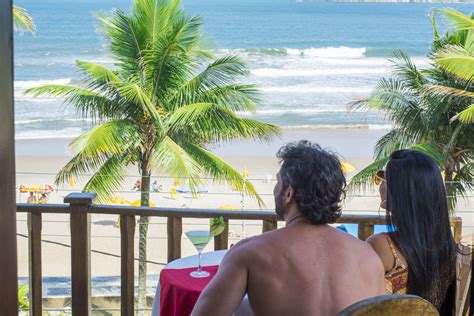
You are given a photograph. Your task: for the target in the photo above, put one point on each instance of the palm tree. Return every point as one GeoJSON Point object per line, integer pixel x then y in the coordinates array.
{"type": "Point", "coordinates": [421, 105]}
{"type": "Point", "coordinates": [458, 58]}
{"type": "Point", "coordinates": [167, 100]}
{"type": "Point", "coordinates": [22, 21]}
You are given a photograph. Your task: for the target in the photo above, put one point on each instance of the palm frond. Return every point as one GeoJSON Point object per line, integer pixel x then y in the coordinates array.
{"type": "Point", "coordinates": [98, 74]}
{"type": "Point", "coordinates": [456, 60]}
{"type": "Point", "coordinates": [394, 140]}
{"type": "Point", "coordinates": [109, 138]}
{"type": "Point", "coordinates": [406, 70]}
{"type": "Point", "coordinates": [459, 20]}
{"type": "Point", "coordinates": [466, 116]}
{"type": "Point", "coordinates": [22, 21]}
{"type": "Point", "coordinates": [216, 82]}
{"type": "Point", "coordinates": [211, 122]}
{"type": "Point", "coordinates": [220, 171]}
{"type": "Point", "coordinates": [108, 179]}
{"type": "Point", "coordinates": [172, 159]}
{"type": "Point", "coordinates": [87, 102]}
{"type": "Point", "coordinates": [135, 95]}
{"type": "Point", "coordinates": [126, 44]}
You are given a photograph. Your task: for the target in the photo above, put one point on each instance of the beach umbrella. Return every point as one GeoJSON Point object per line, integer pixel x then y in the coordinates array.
{"type": "Point", "coordinates": [228, 207]}
{"type": "Point", "coordinates": [46, 188]}
{"type": "Point", "coordinates": [139, 202]}
{"type": "Point", "coordinates": [72, 181]}
{"type": "Point", "coordinates": [347, 167]}
{"type": "Point", "coordinates": [116, 200]}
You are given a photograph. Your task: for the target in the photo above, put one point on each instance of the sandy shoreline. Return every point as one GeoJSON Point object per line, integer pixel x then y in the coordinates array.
{"type": "Point", "coordinates": [38, 160]}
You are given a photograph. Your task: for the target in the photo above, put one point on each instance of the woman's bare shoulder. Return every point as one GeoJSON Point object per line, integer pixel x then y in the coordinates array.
{"type": "Point", "coordinates": [381, 246]}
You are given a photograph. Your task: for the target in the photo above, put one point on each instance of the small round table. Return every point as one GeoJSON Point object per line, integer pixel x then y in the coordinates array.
{"type": "Point", "coordinates": [182, 291]}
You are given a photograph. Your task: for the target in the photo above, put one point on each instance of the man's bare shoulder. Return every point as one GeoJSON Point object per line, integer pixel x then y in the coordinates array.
{"type": "Point", "coordinates": [250, 248]}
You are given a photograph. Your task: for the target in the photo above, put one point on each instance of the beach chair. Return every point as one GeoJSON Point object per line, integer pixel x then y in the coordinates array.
{"type": "Point", "coordinates": [387, 305]}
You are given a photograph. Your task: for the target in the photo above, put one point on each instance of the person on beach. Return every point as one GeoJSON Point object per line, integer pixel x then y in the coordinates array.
{"type": "Point", "coordinates": [307, 267]}
{"type": "Point", "coordinates": [32, 199]}
{"type": "Point", "coordinates": [419, 253]}
{"type": "Point", "coordinates": [137, 186]}
{"type": "Point", "coordinates": [43, 199]}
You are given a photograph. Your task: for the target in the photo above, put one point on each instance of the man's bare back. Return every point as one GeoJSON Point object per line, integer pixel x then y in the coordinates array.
{"type": "Point", "coordinates": [308, 267]}
{"type": "Point", "coordinates": [302, 269]}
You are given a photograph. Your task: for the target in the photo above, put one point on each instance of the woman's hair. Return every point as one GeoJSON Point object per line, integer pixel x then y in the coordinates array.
{"type": "Point", "coordinates": [418, 209]}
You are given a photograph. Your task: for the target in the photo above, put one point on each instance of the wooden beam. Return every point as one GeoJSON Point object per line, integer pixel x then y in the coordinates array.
{"type": "Point", "coordinates": [8, 257]}
{"type": "Point", "coordinates": [34, 263]}
{"type": "Point", "coordinates": [365, 231]}
{"type": "Point", "coordinates": [127, 263]}
{"type": "Point", "coordinates": [80, 252]}
{"type": "Point", "coordinates": [175, 230]}
{"type": "Point", "coordinates": [221, 241]}
{"type": "Point", "coordinates": [269, 225]}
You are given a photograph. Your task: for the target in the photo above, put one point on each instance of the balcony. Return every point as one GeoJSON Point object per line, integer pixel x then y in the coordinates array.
{"type": "Point", "coordinates": [80, 207]}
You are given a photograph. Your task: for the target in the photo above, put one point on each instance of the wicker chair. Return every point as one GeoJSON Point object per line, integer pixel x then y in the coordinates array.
{"type": "Point", "coordinates": [387, 305]}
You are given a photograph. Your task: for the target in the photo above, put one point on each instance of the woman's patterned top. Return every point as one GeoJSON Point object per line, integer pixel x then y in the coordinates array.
{"type": "Point", "coordinates": [396, 280]}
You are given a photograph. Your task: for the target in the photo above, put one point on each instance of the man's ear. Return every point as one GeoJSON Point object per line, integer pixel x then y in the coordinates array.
{"type": "Point", "coordinates": [290, 194]}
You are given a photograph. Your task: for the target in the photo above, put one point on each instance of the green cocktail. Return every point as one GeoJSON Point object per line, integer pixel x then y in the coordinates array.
{"type": "Point", "coordinates": [200, 239]}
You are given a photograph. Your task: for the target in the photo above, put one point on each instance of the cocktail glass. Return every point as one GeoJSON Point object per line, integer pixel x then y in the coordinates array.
{"type": "Point", "coordinates": [200, 239]}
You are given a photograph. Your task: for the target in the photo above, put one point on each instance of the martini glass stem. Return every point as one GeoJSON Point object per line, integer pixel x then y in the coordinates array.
{"type": "Point", "coordinates": [199, 261]}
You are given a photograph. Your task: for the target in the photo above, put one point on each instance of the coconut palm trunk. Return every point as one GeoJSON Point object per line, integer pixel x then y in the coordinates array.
{"type": "Point", "coordinates": [165, 102]}
{"type": "Point", "coordinates": [143, 232]}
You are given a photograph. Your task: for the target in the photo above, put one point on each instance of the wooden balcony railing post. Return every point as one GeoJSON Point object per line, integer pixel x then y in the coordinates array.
{"type": "Point", "coordinates": [269, 225]}
{"type": "Point", "coordinates": [175, 230]}
{"type": "Point", "coordinates": [80, 252]}
{"type": "Point", "coordinates": [365, 231]}
{"type": "Point", "coordinates": [34, 263]}
{"type": "Point", "coordinates": [221, 241]}
{"type": "Point", "coordinates": [127, 250]}
{"type": "Point", "coordinates": [456, 223]}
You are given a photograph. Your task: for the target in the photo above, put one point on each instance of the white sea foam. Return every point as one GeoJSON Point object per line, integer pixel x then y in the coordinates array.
{"type": "Point", "coordinates": [21, 85]}
{"type": "Point", "coordinates": [308, 88]}
{"type": "Point", "coordinates": [340, 126]}
{"type": "Point", "coordinates": [274, 112]}
{"type": "Point", "coordinates": [329, 52]}
{"type": "Point", "coordinates": [272, 72]}
{"type": "Point", "coordinates": [44, 134]}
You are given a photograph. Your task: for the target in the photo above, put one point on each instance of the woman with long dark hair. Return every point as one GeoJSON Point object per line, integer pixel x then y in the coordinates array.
{"type": "Point", "coordinates": [419, 253]}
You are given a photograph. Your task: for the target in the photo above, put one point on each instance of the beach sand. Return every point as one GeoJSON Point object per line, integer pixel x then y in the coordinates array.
{"type": "Point", "coordinates": [38, 160]}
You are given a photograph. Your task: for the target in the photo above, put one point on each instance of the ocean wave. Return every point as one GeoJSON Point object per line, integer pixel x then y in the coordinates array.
{"type": "Point", "coordinates": [316, 89]}
{"type": "Point", "coordinates": [69, 132]}
{"type": "Point", "coordinates": [51, 121]}
{"type": "Point", "coordinates": [26, 84]}
{"type": "Point", "coordinates": [322, 52]}
{"type": "Point", "coordinates": [273, 72]}
{"type": "Point", "coordinates": [329, 52]}
{"type": "Point", "coordinates": [339, 126]}
{"type": "Point", "coordinates": [321, 109]}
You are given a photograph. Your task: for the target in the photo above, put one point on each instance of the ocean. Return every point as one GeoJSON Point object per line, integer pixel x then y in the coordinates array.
{"type": "Point", "coordinates": [309, 59]}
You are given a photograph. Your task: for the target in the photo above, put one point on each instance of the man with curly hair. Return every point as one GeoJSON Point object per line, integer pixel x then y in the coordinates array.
{"type": "Point", "coordinates": [308, 267]}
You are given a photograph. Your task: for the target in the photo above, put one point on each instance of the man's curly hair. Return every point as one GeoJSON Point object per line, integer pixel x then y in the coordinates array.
{"type": "Point", "coordinates": [316, 176]}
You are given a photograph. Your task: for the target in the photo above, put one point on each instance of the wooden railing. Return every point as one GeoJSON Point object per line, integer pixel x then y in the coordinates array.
{"type": "Point", "coordinates": [80, 206]}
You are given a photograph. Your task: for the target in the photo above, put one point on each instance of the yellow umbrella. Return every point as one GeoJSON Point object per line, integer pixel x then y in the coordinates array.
{"type": "Point", "coordinates": [72, 181]}
{"type": "Point", "coordinates": [139, 203]}
{"type": "Point", "coordinates": [228, 207]}
{"type": "Point", "coordinates": [443, 175]}
{"type": "Point", "coordinates": [347, 167]}
{"type": "Point", "coordinates": [116, 200]}
{"type": "Point", "coordinates": [246, 173]}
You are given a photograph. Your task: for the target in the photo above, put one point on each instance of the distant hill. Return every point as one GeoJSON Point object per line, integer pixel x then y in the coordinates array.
{"type": "Point", "coordinates": [396, 1]}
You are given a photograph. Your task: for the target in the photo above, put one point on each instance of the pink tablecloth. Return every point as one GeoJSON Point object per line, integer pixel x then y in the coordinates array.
{"type": "Point", "coordinates": [179, 291]}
